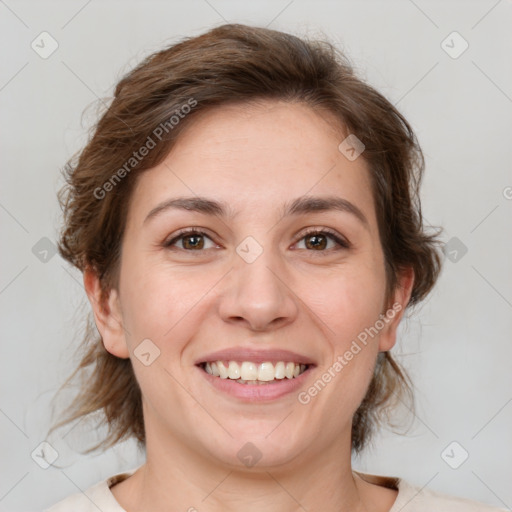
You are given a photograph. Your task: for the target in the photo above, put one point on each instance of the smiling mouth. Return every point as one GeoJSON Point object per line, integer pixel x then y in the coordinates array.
{"type": "Point", "coordinates": [250, 373]}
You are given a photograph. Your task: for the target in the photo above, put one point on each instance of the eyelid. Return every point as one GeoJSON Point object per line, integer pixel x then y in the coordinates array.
{"type": "Point", "coordinates": [193, 230]}
{"type": "Point", "coordinates": [340, 240]}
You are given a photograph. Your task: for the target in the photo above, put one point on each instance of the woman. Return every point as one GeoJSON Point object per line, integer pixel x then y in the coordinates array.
{"type": "Point", "coordinates": [246, 218]}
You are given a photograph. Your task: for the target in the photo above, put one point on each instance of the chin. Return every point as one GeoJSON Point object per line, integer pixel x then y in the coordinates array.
{"type": "Point", "coordinates": [255, 451]}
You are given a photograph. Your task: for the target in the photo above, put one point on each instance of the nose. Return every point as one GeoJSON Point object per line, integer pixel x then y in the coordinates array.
{"type": "Point", "coordinates": [259, 295]}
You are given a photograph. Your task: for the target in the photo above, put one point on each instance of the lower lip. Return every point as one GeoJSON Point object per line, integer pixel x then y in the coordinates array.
{"type": "Point", "coordinates": [257, 392]}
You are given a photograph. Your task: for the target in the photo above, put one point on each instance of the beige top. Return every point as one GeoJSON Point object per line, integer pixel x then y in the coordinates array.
{"type": "Point", "coordinates": [409, 499]}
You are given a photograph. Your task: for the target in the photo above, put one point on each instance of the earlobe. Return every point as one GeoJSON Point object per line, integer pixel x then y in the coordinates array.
{"type": "Point", "coordinates": [107, 315]}
{"type": "Point", "coordinates": [396, 309]}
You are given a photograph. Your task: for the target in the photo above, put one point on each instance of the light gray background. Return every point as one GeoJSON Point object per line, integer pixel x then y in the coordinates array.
{"type": "Point", "coordinates": [457, 346]}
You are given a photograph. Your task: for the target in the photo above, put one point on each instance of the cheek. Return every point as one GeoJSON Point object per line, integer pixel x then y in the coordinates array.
{"type": "Point", "coordinates": [350, 306]}
{"type": "Point", "coordinates": [347, 300]}
{"type": "Point", "coordinates": [160, 301]}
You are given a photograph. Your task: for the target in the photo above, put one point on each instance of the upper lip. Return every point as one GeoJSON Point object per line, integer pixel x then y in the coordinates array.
{"type": "Point", "coordinates": [255, 356]}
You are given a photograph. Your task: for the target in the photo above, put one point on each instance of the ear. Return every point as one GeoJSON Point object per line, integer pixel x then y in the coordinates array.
{"type": "Point", "coordinates": [107, 315]}
{"type": "Point", "coordinates": [396, 309]}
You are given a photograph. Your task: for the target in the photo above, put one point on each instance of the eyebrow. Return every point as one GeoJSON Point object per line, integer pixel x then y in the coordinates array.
{"type": "Point", "coordinates": [298, 206]}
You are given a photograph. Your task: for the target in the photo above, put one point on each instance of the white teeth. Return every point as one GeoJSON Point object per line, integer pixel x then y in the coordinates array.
{"type": "Point", "coordinates": [215, 369]}
{"type": "Point", "coordinates": [279, 369]}
{"type": "Point", "coordinates": [233, 370]}
{"type": "Point", "coordinates": [248, 372]}
{"type": "Point", "coordinates": [266, 372]}
{"type": "Point", "coordinates": [223, 371]}
{"type": "Point", "coordinates": [289, 370]}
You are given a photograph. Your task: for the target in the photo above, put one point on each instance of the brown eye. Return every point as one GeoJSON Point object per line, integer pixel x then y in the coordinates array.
{"type": "Point", "coordinates": [193, 242]}
{"type": "Point", "coordinates": [190, 241]}
{"type": "Point", "coordinates": [318, 241]}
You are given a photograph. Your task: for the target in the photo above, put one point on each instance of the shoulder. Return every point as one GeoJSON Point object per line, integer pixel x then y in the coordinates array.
{"type": "Point", "coordinates": [412, 498]}
{"type": "Point", "coordinates": [97, 497]}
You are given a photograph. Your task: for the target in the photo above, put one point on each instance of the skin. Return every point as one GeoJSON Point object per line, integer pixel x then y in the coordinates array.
{"type": "Point", "coordinates": [293, 296]}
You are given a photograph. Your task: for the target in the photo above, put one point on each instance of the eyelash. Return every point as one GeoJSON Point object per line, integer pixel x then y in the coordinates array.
{"type": "Point", "coordinates": [342, 243]}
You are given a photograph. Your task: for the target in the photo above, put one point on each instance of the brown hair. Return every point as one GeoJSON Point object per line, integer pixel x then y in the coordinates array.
{"type": "Point", "coordinates": [233, 64]}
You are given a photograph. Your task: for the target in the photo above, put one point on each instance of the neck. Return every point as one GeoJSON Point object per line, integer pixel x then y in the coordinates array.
{"type": "Point", "coordinates": [179, 475]}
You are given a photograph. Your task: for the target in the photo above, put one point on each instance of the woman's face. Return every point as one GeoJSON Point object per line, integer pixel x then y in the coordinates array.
{"type": "Point", "coordinates": [266, 280]}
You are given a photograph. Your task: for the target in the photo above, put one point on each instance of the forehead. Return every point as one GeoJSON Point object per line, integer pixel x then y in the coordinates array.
{"type": "Point", "coordinates": [263, 135]}
{"type": "Point", "coordinates": [255, 157]}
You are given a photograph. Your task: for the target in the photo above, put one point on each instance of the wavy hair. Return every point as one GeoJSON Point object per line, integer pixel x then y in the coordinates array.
{"type": "Point", "coordinates": [233, 64]}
